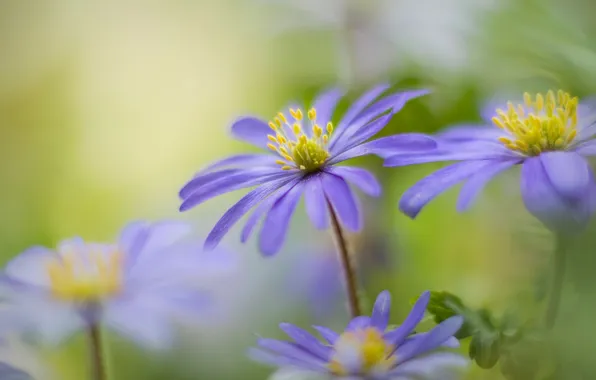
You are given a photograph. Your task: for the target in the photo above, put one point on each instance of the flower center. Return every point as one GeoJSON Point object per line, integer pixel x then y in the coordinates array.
{"type": "Point", "coordinates": [88, 276]}
{"type": "Point", "coordinates": [545, 123]}
{"type": "Point", "coordinates": [361, 352]}
{"type": "Point", "coordinates": [306, 151]}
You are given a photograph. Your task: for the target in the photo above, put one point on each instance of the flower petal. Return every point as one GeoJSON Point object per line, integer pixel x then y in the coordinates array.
{"type": "Point", "coordinates": [470, 133]}
{"type": "Point", "coordinates": [474, 185]}
{"type": "Point", "coordinates": [232, 182]}
{"type": "Point", "coordinates": [587, 148]}
{"type": "Point", "coordinates": [392, 103]}
{"type": "Point", "coordinates": [366, 132]}
{"type": "Point", "coordinates": [29, 267]}
{"type": "Point", "coordinates": [358, 106]}
{"type": "Point", "coordinates": [58, 321]}
{"type": "Point", "coordinates": [275, 226]}
{"type": "Point", "coordinates": [251, 130]}
{"type": "Point", "coordinates": [359, 177]}
{"type": "Point", "coordinates": [329, 335]}
{"type": "Point", "coordinates": [396, 337]}
{"type": "Point", "coordinates": [291, 351]}
{"type": "Point", "coordinates": [486, 152]}
{"type": "Point", "coordinates": [8, 372]}
{"type": "Point", "coordinates": [260, 210]}
{"type": "Point", "coordinates": [415, 198]}
{"type": "Point", "coordinates": [343, 200]}
{"type": "Point", "coordinates": [276, 360]}
{"type": "Point", "coordinates": [381, 309]}
{"type": "Point", "coordinates": [306, 340]}
{"type": "Point", "coordinates": [293, 372]}
{"type": "Point", "coordinates": [568, 172]}
{"type": "Point", "coordinates": [315, 203]}
{"type": "Point", "coordinates": [388, 146]}
{"type": "Point", "coordinates": [242, 161]}
{"type": "Point", "coordinates": [431, 341]}
{"type": "Point", "coordinates": [139, 322]}
{"type": "Point", "coordinates": [153, 241]}
{"type": "Point", "coordinates": [325, 105]}
{"type": "Point", "coordinates": [133, 238]}
{"type": "Point", "coordinates": [358, 323]}
{"type": "Point", "coordinates": [237, 211]}
{"type": "Point", "coordinates": [544, 202]}
{"type": "Point", "coordinates": [435, 364]}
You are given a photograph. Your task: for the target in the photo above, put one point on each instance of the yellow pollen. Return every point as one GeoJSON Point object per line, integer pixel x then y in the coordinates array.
{"type": "Point", "coordinates": [299, 150]}
{"type": "Point", "coordinates": [374, 351]}
{"type": "Point", "coordinates": [85, 276]}
{"type": "Point", "coordinates": [543, 123]}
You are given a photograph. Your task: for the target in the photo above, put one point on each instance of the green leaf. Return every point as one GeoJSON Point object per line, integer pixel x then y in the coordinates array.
{"type": "Point", "coordinates": [485, 349]}
{"type": "Point", "coordinates": [444, 305]}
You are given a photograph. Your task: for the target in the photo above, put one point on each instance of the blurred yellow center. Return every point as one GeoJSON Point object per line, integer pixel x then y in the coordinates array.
{"type": "Point", "coordinates": [85, 278]}
{"type": "Point", "coordinates": [545, 123]}
{"type": "Point", "coordinates": [373, 352]}
{"type": "Point", "coordinates": [298, 150]}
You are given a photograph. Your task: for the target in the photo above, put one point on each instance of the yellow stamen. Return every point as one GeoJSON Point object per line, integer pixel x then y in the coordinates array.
{"type": "Point", "coordinates": [298, 150]}
{"type": "Point", "coordinates": [88, 276]}
{"type": "Point", "coordinates": [544, 123]}
{"type": "Point", "coordinates": [375, 354]}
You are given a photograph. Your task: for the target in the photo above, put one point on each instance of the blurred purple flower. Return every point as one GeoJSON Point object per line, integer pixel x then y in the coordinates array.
{"type": "Point", "coordinates": [135, 286]}
{"type": "Point", "coordinates": [550, 136]}
{"type": "Point", "coordinates": [8, 372]}
{"type": "Point", "coordinates": [316, 281]}
{"type": "Point", "coordinates": [365, 350]}
{"type": "Point", "coordinates": [303, 162]}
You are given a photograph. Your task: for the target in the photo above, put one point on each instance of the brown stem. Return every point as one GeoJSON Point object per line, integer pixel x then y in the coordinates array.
{"type": "Point", "coordinates": [347, 266]}
{"type": "Point", "coordinates": [96, 353]}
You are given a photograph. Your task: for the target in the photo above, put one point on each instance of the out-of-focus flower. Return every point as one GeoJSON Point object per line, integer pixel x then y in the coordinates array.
{"type": "Point", "coordinates": [365, 350]}
{"type": "Point", "coordinates": [304, 161]}
{"type": "Point", "coordinates": [135, 286]}
{"type": "Point", "coordinates": [549, 135]}
{"type": "Point", "coordinates": [316, 281]}
{"type": "Point", "coordinates": [8, 372]}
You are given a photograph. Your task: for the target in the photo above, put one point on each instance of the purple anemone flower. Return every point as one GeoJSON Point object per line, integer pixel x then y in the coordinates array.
{"type": "Point", "coordinates": [549, 135]}
{"type": "Point", "coordinates": [366, 349]}
{"type": "Point", "coordinates": [8, 372]}
{"type": "Point", "coordinates": [300, 160]}
{"type": "Point", "coordinates": [135, 286]}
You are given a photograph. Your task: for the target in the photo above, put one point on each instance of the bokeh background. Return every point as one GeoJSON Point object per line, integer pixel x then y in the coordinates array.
{"type": "Point", "coordinates": [107, 108]}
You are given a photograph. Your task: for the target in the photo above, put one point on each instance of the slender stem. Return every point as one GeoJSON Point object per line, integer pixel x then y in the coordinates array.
{"type": "Point", "coordinates": [96, 352]}
{"type": "Point", "coordinates": [559, 261]}
{"type": "Point", "coordinates": [347, 265]}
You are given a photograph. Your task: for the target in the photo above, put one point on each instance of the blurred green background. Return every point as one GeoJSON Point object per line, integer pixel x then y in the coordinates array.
{"type": "Point", "coordinates": [107, 108]}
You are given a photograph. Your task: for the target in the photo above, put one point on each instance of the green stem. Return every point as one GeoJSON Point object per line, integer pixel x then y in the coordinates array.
{"type": "Point", "coordinates": [559, 261]}
{"type": "Point", "coordinates": [98, 361]}
{"type": "Point", "coordinates": [348, 269]}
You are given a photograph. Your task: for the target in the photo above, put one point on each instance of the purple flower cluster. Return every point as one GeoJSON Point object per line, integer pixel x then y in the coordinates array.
{"type": "Point", "coordinates": [139, 284]}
